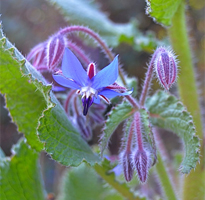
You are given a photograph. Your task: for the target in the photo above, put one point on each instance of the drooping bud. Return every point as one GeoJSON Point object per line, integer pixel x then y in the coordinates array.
{"type": "Point", "coordinates": [37, 55]}
{"type": "Point", "coordinates": [85, 129]}
{"type": "Point", "coordinates": [166, 67]}
{"type": "Point", "coordinates": [55, 50]}
{"type": "Point", "coordinates": [141, 165]}
{"type": "Point", "coordinates": [127, 165]}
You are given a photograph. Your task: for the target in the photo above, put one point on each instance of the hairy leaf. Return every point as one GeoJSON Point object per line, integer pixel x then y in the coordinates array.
{"type": "Point", "coordinates": [168, 112]}
{"type": "Point", "coordinates": [116, 116]}
{"type": "Point", "coordinates": [162, 11]}
{"type": "Point", "coordinates": [20, 175]}
{"type": "Point", "coordinates": [82, 183]}
{"type": "Point", "coordinates": [27, 97]}
{"type": "Point", "coordinates": [62, 140]}
{"type": "Point", "coordinates": [24, 101]}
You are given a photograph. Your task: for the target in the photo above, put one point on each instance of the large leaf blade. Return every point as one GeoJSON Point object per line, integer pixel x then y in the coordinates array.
{"type": "Point", "coordinates": [168, 112]}
{"type": "Point", "coordinates": [20, 175]}
{"type": "Point", "coordinates": [62, 140]}
{"type": "Point", "coordinates": [82, 183]}
{"type": "Point", "coordinates": [23, 100]}
{"type": "Point", "coordinates": [25, 87]}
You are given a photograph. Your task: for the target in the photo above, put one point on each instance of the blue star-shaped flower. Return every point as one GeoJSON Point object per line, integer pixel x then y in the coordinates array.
{"type": "Point", "coordinates": [90, 85]}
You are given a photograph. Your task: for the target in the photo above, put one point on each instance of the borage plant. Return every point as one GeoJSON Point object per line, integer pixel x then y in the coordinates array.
{"type": "Point", "coordinates": [64, 129]}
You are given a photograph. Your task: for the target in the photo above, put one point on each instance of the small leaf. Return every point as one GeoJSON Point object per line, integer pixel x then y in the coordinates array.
{"type": "Point", "coordinates": [162, 11]}
{"type": "Point", "coordinates": [168, 112]}
{"type": "Point", "coordinates": [81, 12]}
{"type": "Point", "coordinates": [117, 115]}
{"type": "Point", "coordinates": [82, 183]}
{"type": "Point", "coordinates": [62, 140]}
{"type": "Point", "coordinates": [20, 175]}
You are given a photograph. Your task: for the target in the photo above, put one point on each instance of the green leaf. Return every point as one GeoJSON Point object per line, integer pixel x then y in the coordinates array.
{"type": "Point", "coordinates": [24, 101]}
{"type": "Point", "coordinates": [116, 116]}
{"type": "Point", "coordinates": [62, 140]}
{"type": "Point", "coordinates": [82, 183]}
{"type": "Point", "coordinates": [20, 175]}
{"type": "Point", "coordinates": [27, 97]}
{"type": "Point", "coordinates": [86, 13]}
{"type": "Point", "coordinates": [106, 171]}
{"type": "Point", "coordinates": [162, 11]}
{"type": "Point", "coordinates": [168, 112]}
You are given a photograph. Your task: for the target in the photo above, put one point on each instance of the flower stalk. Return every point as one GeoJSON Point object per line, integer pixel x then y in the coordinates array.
{"type": "Point", "coordinates": [188, 93]}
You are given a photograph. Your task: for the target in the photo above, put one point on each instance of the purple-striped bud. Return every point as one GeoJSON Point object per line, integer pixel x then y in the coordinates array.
{"type": "Point", "coordinates": [55, 50]}
{"type": "Point", "coordinates": [166, 67]}
{"type": "Point", "coordinates": [37, 55]}
{"type": "Point", "coordinates": [141, 164]}
{"type": "Point", "coordinates": [84, 128]}
{"type": "Point", "coordinates": [127, 165]}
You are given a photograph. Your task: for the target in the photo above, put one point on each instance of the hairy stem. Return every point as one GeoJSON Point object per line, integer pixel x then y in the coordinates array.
{"type": "Point", "coordinates": [124, 191]}
{"type": "Point", "coordinates": [163, 170]}
{"type": "Point", "coordinates": [188, 93]}
{"type": "Point", "coordinates": [97, 38]}
{"type": "Point", "coordinates": [148, 77]}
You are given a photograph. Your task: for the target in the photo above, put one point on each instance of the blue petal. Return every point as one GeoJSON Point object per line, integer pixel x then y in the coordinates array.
{"type": "Point", "coordinates": [72, 68]}
{"type": "Point", "coordinates": [111, 93]}
{"type": "Point", "coordinates": [97, 100]}
{"type": "Point", "coordinates": [66, 82]}
{"type": "Point", "coordinates": [58, 88]}
{"type": "Point", "coordinates": [106, 76]}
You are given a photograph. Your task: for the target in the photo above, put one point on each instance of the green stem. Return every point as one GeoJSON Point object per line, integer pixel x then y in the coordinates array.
{"type": "Point", "coordinates": [164, 179]}
{"type": "Point", "coordinates": [121, 188]}
{"type": "Point", "coordinates": [163, 170]}
{"type": "Point", "coordinates": [194, 183]}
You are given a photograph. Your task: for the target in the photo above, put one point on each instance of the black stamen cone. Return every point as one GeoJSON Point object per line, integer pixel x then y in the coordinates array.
{"type": "Point", "coordinates": [86, 105]}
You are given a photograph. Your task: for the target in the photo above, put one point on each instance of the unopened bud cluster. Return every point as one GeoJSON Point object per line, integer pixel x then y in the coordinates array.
{"type": "Point", "coordinates": [135, 155]}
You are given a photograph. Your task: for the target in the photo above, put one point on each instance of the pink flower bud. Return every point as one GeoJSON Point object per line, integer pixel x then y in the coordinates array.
{"type": "Point", "coordinates": [55, 50]}
{"type": "Point", "coordinates": [127, 165]}
{"type": "Point", "coordinates": [37, 55]}
{"type": "Point", "coordinates": [166, 67]}
{"type": "Point", "coordinates": [141, 165]}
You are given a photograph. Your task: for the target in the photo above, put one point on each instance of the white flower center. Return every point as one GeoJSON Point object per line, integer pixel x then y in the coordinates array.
{"type": "Point", "coordinates": [88, 92]}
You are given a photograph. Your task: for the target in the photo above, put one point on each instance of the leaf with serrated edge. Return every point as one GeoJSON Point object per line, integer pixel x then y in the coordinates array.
{"type": "Point", "coordinates": [116, 116]}
{"type": "Point", "coordinates": [27, 97]}
{"type": "Point", "coordinates": [24, 101]}
{"type": "Point", "coordinates": [62, 140]}
{"type": "Point", "coordinates": [168, 112]}
{"type": "Point", "coordinates": [162, 11]}
{"type": "Point", "coordinates": [20, 175]}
